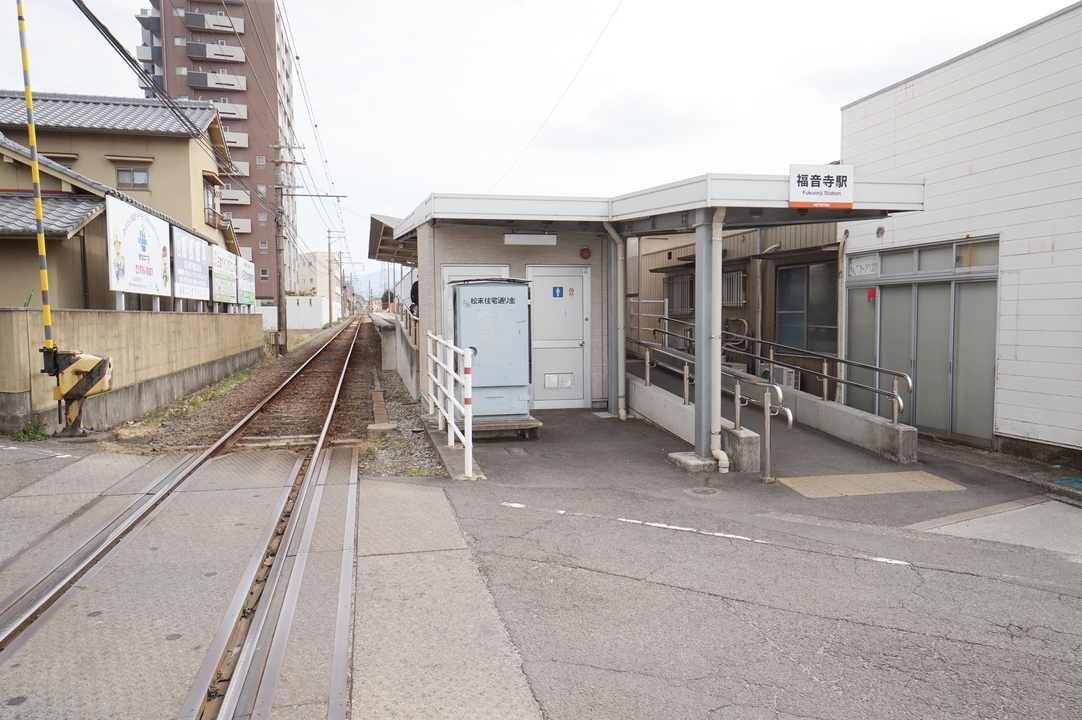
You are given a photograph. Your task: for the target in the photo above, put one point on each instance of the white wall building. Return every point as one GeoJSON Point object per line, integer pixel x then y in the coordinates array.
{"type": "Point", "coordinates": [319, 271]}
{"type": "Point", "coordinates": [979, 296]}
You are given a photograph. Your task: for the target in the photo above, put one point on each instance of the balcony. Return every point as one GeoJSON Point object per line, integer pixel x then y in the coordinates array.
{"type": "Point", "coordinates": [159, 81]}
{"type": "Point", "coordinates": [150, 20]}
{"type": "Point", "coordinates": [214, 23]}
{"type": "Point", "coordinates": [242, 168]}
{"type": "Point", "coordinates": [235, 197]}
{"type": "Point", "coordinates": [207, 51]}
{"type": "Point", "coordinates": [236, 139]}
{"type": "Point", "coordinates": [149, 54]}
{"type": "Point", "coordinates": [232, 111]}
{"type": "Point", "coordinates": [217, 81]}
{"type": "Point", "coordinates": [241, 225]}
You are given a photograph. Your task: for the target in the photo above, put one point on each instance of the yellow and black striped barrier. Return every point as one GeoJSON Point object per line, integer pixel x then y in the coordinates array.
{"type": "Point", "coordinates": [78, 376]}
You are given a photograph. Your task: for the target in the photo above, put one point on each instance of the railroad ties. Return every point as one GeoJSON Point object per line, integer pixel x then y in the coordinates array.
{"type": "Point", "coordinates": [254, 583]}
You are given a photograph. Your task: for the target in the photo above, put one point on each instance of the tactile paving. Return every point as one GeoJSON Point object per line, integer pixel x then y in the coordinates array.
{"type": "Point", "coordinates": [822, 486]}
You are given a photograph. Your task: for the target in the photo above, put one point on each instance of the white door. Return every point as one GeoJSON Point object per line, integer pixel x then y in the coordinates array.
{"type": "Point", "coordinates": [453, 273]}
{"type": "Point", "coordinates": [560, 330]}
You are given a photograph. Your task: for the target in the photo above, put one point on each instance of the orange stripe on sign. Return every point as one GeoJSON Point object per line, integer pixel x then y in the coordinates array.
{"type": "Point", "coordinates": [821, 204]}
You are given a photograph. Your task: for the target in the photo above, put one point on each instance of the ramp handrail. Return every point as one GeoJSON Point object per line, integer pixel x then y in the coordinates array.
{"type": "Point", "coordinates": [442, 384]}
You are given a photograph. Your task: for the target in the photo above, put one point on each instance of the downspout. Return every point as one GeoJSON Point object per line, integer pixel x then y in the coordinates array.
{"type": "Point", "coordinates": [716, 298]}
{"type": "Point", "coordinates": [621, 317]}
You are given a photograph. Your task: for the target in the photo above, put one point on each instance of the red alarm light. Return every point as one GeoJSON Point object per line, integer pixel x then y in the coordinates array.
{"type": "Point", "coordinates": [584, 253]}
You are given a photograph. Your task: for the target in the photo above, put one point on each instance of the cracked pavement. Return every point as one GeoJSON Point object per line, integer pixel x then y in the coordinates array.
{"type": "Point", "coordinates": [628, 596]}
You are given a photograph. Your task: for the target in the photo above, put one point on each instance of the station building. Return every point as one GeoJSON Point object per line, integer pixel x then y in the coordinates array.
{"type": "Point", "coordinates": [574, 253]}
{"type": "Point", "coordinates": [977, 298]}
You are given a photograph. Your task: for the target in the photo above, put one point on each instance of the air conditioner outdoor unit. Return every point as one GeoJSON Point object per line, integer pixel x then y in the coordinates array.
{"type": "Point", "coordinates": [787, 377]}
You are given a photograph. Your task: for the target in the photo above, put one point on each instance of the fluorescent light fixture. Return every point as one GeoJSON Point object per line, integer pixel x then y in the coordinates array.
{"type": "Point", "coordinates": [528, 239]}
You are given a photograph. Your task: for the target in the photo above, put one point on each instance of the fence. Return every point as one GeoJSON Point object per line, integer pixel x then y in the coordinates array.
{"type": "Point", "coordinates": [443, 380]}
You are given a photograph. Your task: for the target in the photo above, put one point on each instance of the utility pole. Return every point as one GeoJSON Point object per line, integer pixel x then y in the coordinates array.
{"type": "Point", "coordinates": [281, 345]}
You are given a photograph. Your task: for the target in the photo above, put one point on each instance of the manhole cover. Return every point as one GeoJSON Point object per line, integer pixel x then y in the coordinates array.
{"type": "Point", "coordinates": [704, 491]}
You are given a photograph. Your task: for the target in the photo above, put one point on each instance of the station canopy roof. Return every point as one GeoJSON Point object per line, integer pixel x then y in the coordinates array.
{"type": "Point", "coordinates": [751, 201]}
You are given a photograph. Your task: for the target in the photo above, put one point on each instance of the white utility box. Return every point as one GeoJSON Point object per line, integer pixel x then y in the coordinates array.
{"type": "Point", "coordinates": [492, 319]}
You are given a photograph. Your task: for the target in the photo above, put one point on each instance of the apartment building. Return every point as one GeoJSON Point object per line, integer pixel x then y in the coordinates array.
{"type": "Point", "coordinates": [236, 54]}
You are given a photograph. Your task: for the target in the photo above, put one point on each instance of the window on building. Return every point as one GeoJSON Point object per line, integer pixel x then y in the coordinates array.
{"type": "Point", "coordinates": [263, 246]}
{"type": "Point", "coordinates": [227, 215]}
{"type": "Point", "coordinates": [182, 70]}
{"type": "Point", "coordinates": [181, 41]}
{"type": "Point", "coordinates": [263, 219]}
{"type": "Point", "coordinates": [182, 97]}
{"type": "Point", "coordinates": [179, 12]}
{"type": "Point", "coordinates": [807, 307]}
{"type": "Point", "coordinates": [132, 179]}
{"type": "Point", "coordinates": [734, 289]}
{"type": "Point", "coordinates": [260, 162]}
{"type": "Point", "coordinates": [225, 128]}
{"type": "Point", "coordinates": [210, 197]}
{"type": "Point", "coordinates": [264, 274]}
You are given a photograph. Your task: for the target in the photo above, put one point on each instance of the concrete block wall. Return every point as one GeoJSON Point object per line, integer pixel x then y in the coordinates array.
{"type": "Point", "coordinates": [157, 358]}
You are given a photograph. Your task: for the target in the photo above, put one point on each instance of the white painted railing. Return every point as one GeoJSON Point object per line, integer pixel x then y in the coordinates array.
{"type": "Point", "coordinates": [442, 382]}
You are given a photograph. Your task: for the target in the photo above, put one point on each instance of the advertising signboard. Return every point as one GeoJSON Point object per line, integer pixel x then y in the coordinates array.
{"type": "Point", "coordinates": [224, 265]}
{"type": "Point", "coordinates": [138, 250]}
{"type": "Point", "coordinates": [821, 186]}
{"type": "Point", "coordinates": [245, 281]}
{"type": "Point", "coordinates": [191, 266]}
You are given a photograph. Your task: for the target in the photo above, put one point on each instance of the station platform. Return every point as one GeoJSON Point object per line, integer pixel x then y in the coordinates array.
{"type": "Point", "coordinates": [586, 577]}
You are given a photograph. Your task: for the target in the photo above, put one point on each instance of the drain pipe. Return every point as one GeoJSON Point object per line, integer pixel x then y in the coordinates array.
{"type": "Point", "coordinates": [621, 318]}
{"type": "Point", "coordinates": [716, 297]}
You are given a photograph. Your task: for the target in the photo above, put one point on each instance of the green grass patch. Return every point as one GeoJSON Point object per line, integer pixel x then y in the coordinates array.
{"type": "Point", "coordinates": [33, 430]}
{"type": "Point", "coordinates": [196, 401]}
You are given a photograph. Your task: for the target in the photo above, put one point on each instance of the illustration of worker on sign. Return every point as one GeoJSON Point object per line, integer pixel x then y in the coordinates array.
{"type": "Point", "coordinates": [118, 260]}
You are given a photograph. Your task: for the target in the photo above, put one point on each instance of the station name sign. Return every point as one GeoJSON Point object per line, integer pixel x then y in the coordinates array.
{"type": "Point", "coordinates": [821, 186]}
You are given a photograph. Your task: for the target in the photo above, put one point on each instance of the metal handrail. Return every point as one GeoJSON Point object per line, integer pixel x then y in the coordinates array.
{"type": "Point", "coordinates": [442, 400]}
{"type": "Point", "coordinates": [799, 352]}
{"type": "Point", "coordinates": [770, 409]}
{"type": "Point", "coordinates": [897, 402]}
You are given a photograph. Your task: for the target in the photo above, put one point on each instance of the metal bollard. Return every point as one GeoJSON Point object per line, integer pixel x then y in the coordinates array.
{"type": "Point", "coordinates": [736, 404]}
{"type": "Point", "coordinates": [687, 385]}
{"type": "Point", "coordinates": [765, 450]}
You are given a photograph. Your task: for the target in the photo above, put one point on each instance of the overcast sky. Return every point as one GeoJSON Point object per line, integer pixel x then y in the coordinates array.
{"type": "Point", "coordinates": [414, 97]}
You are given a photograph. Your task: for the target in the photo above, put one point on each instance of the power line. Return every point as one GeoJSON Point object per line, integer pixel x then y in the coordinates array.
{"type": "Point", "coordinates": [584, 60]}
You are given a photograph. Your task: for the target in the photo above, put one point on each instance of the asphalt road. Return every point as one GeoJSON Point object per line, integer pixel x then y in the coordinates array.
{"type": "Point", "coordinates": [630, 595]}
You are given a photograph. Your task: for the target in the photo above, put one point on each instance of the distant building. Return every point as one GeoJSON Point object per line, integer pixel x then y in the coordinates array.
{"type": "Point", "coordinates": [237, 54]}
{"type": "Point", "coordinates": [980, 296]}
{"type": "Point", "coordinates": [317, 271]}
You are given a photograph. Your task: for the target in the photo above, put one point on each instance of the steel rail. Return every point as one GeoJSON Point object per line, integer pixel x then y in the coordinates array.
{"type": "Point", "coordinates": [254, 677]}
{"type": "Point", "coordinates": [20, 609]}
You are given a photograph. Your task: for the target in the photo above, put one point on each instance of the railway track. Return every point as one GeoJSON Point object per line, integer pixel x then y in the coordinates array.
{"type": "Point", "coordinates": [240, 673]}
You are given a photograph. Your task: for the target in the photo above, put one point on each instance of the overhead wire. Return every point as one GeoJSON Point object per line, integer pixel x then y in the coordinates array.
{"type": "Point", "coordinates": [561, 98]}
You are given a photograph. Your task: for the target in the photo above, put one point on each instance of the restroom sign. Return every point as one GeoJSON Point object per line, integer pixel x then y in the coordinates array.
{"type": "Point", "coordinates": [821, 186]}
{"type": "Point", "coordinates": [557, 292]}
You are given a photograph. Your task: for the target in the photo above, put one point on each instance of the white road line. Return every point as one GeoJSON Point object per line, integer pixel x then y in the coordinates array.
{"type": "Point", "coordinates": [694, 531]}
